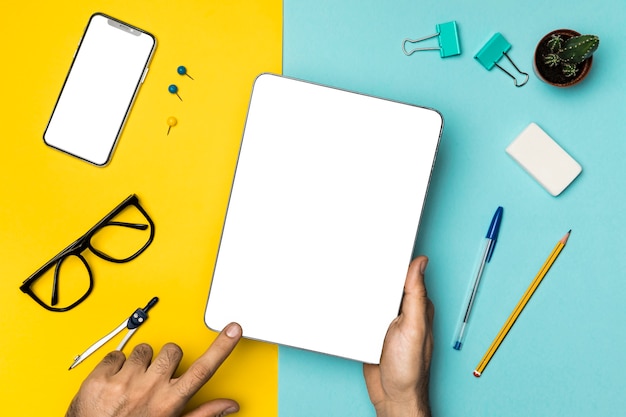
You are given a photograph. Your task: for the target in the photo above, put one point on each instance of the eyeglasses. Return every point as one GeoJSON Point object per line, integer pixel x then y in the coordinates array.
{"type": "Point", "coordinates": [119, 237]}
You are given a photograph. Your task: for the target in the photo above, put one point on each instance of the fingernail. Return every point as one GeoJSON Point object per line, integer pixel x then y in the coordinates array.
{"type": "Point", "coordinates": [229, 410]}
{"type": "Point", "coordinates": [233, 330]}
{"type": "Point", "coordinates": [423, 266]}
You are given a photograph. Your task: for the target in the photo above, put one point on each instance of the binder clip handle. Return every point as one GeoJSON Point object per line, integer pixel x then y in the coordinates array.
{"type": "Point", "coordinates": [409, 53]}
{"type": "Point", "coordinates": [517, 69]}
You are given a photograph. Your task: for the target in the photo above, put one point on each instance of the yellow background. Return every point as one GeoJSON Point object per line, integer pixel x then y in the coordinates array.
{"type": "Point", "coordinates": [182, 179]}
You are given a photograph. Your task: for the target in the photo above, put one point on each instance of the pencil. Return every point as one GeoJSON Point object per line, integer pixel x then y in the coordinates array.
{"type": "Point", "coordinates": [520, 306]}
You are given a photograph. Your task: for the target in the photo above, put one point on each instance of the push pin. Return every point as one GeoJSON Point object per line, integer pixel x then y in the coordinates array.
{"type": "Point", "coordinates": [183, 71]}
{"type": "Point", "coordinates": [448, 37]}
{"type": "Point", "coordinates": [493, 51]}
{"type": "Point", "coordinates": [174, 90]}
{"type": "Point", "coordinates": [171, 122]}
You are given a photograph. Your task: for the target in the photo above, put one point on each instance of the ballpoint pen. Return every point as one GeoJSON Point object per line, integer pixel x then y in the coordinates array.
{"type": "Point", "coordinates": [486, 254]}
{"type": "Point", "coordinates": [132, 324]}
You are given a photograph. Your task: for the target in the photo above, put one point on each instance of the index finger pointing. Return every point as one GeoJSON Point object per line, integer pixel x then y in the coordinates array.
{"type": "Point", "coordinates": [206, 365]}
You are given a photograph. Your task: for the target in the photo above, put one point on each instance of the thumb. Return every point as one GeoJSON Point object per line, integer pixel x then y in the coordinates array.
{"type": "Point", "coordinates": [215, 408]}
{"type": "Point", "coordinates": [415, 294]}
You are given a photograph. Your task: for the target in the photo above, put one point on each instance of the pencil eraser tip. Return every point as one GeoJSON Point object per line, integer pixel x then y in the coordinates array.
{"type": "Point", "coordinates": [477, 374]}
{"type": "Point", "coordinates": [544, 159]}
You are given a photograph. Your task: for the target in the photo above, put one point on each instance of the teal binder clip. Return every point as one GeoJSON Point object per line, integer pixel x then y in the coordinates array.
{"type": "Point", "coordinates": [448, 37]}
{"type": "Point", "coordinates": [493, 51]}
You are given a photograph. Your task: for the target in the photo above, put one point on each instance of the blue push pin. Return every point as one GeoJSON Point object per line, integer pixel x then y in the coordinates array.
{"type": "Point", "coordinates": [174, 90]}
{"type": "Point", "coordinates": [183, 71]}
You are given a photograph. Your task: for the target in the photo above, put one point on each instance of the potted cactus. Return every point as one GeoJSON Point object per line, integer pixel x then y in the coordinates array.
{"type": "Point", "coordinates": [563, 57]}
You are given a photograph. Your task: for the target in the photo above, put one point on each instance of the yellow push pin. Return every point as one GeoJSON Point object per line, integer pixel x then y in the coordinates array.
{"type": "Point", "coordinates": [171, 122]}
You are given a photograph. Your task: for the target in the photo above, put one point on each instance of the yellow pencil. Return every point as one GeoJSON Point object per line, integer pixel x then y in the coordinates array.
{"type": "Point", "coordinates": [520, 306]}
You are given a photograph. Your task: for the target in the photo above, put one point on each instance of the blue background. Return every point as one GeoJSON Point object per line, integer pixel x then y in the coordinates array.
{"type": "Point", "coordinates": [565, 354]}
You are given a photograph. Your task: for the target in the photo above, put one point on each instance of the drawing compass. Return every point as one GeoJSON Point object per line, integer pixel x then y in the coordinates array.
{"type": "Point", "coordinates": [132, 324]}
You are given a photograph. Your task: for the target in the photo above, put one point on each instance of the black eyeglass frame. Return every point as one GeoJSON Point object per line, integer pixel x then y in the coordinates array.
{"type": "Point", "coordinates": [83, 243]}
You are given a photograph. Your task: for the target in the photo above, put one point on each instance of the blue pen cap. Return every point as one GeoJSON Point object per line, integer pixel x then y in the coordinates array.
{"type": "Point", "coordinates": [494, 229]}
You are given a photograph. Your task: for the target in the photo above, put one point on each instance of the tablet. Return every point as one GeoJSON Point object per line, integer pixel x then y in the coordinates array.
{"type": "Point", "coordinates": [322, 218]}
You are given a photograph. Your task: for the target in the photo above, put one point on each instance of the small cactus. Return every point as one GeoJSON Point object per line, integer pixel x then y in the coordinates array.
{"type": "Point", "coordinates": [570, 70]}
{"type": "Point", "coordinates": [571, 52]}
{"type": "Point", "coordinates": [555, 42]}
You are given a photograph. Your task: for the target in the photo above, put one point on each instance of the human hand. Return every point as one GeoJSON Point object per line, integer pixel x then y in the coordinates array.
{"type": "Point", "coordinates": [138, 387]}
{"type": "Point", "coordinates": [399, 385]}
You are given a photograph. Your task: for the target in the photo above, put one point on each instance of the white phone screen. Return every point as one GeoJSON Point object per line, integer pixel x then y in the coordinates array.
{"type": "Point", "coordinates": [99, 90]}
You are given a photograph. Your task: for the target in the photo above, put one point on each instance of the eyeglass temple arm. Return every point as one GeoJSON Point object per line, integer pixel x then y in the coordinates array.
{"type": "Point", "coordinates": [131, 225]}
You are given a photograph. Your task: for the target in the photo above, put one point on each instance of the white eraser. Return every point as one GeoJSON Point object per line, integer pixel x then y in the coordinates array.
{"type": "Point", "coordinates": [544, 159]}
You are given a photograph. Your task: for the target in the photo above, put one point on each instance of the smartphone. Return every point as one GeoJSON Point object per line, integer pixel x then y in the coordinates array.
{"type": "Point", "coordinates": [108, 68]}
